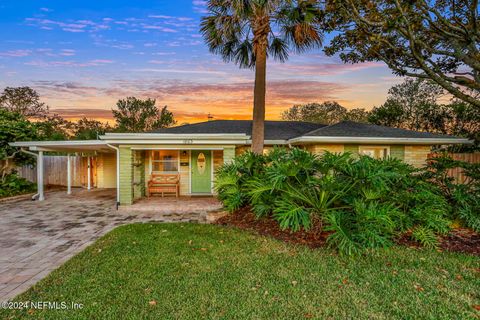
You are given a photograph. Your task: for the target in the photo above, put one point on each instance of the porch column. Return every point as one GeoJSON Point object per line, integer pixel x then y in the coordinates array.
{"type": "Point", "coordinates": [69, 174]}
{"type": "Point", "coordinates": [89, 174]}
{"type": "Point", "coordinates": [41, 195]}
{"type": "Point", "coordinates": [228, 154]}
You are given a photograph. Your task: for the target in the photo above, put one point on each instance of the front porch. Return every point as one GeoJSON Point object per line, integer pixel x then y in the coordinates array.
{"type": "Point", "coordinates": [171, 209]}
{"type": "Point", "coordinates": [194, 167]}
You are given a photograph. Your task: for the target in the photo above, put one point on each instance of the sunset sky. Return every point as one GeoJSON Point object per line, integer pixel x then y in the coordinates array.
{"type": "Point", "coordinates": [82, 56]}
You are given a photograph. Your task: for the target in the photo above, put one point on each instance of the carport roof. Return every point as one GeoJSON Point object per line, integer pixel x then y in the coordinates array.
{"type": "Point", "coordinates": [65, 146]}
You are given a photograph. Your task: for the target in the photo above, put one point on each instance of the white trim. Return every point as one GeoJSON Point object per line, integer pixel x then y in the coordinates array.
{"type": "Point", "coordinates": [118, 171]}
{"type": "Point", "coordinates": [185, 142]}
{"type": "Point", "coordinates": [69, 174]}
{"type": "Point", "coordinates": [58, 143]}
{"type": "Point", "coordinates": [176, 148]}
{"type": "Point", "coordinates": [381, 140]}
{"type": "Point", "coordinates": [41, 195]}
{"type": "Point", "coordinates": [162, 136]}
{"type": "Point", "coordinates": [270, 142]}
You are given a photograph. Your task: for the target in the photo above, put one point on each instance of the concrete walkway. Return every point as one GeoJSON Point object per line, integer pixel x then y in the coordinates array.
{"type": "Point", "coordinates": [37, 237]}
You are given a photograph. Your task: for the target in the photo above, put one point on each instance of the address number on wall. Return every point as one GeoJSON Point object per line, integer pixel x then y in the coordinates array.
{"type": "Point", "coordinates": [188, 141]}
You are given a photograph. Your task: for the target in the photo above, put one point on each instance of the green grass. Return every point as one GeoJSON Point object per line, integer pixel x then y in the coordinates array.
{"type": "Point", "coordinates": [203, 271]}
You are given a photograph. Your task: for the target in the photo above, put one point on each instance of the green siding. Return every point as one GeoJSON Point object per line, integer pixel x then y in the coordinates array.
{"type": "Point", "coordinates": [126, 176]}
{"type": "Point", "coordinates": [138, 174]}
{"type": "Point", "coordinates": [353, 148]}
{"type": "Point", "coordinates": [397, 151]}
{"type": "Point", "coordinates": [228, 154]}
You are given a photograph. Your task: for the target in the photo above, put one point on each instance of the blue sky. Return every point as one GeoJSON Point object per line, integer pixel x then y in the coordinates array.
{"type": "Point", "coordinates": [82, 56]}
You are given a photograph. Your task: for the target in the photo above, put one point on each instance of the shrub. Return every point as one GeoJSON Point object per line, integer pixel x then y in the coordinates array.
{"type": "Point", "coordinates": [11, 185]}
{"type": "Point", "coordinates": [364, 202]}
{"type": "Point", "coordinates": [464, 199]}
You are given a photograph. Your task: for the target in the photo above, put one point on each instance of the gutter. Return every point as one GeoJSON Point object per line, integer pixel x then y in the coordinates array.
{"type": "Point", "coordinates": [36, 156]}
{"type": "Point", "coordinates": [117, 204]}
{"type": "Point", "coordinates": [379, 140]}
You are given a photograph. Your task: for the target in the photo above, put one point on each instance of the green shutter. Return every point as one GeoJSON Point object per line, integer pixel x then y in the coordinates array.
{"type": "Point", "coordinates": [397, 151]}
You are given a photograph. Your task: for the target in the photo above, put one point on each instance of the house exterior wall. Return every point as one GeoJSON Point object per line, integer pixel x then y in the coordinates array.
{"type": "Point", "coordinates": [321, 148]}
{"type": "Point", "coordinates": [106, 170]}
{"type": "Point", "coordinates": [417, 155]}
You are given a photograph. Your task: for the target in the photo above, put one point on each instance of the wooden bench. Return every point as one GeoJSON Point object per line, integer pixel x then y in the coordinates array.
{"type": "Point", "coordinates": [164, 183]}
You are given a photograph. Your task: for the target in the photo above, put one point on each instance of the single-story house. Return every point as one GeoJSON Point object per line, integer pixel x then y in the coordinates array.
{"type": "Point", "coordinates": [126, 161]}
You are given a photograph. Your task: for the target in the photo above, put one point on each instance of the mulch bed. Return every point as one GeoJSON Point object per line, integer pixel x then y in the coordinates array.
{"type": "Point", "coordinates": [245, 219]}
{"type": "Point", "coordinates": [459, 240]}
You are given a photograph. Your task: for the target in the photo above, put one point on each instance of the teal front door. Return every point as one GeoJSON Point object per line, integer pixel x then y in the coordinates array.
{"type": "Point", "coordinates": [201, 165]}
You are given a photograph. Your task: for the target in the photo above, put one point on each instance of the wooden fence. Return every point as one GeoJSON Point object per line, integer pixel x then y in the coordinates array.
{"type": "Point", "coordinates": [457, 173]}
{"type": "Point", "coordinates": [55, 171]}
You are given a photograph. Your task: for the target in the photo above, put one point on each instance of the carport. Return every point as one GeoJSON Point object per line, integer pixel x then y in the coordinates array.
{"type": "Point", "coordinates": [89, 148]}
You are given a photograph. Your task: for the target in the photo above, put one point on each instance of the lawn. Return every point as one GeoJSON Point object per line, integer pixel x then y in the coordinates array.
{"type": "Point", "coordinates": [191, 271]}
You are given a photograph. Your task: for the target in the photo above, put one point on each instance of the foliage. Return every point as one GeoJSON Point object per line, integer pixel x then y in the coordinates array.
{"type": "Point", "coordinates": [414, 105]}
{"type": "Point", "coordinates": [54, 127]}
{"type": "Point", "coordinates": [248, 32]}
{"type": "Point", "coordinates": [435, 40]}
{"type": "Point", "coordinates": [364, 202]}
{"type": "Point", "coordinates": [328, 112]}
{"type": "Point", "coordinates": [23, 100]}
{"type": "Point", "coordinates": [11, 185]}
{"type": "Point", "coordinates": [14, 127]}
{"type": "Point", "coordinates": [90, 129]}
{"type": "Point", "coordinates": [463, 197]}
{"type": "Point", "coordinates": [136, 115]}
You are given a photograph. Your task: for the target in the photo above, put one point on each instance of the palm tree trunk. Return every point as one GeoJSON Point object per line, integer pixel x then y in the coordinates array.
{"type": "Point", "coordinates": [258, 126]}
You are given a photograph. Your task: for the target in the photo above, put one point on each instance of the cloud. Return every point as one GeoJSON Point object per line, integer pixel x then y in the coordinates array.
{"type": "Point", "coordinates": [90, 63]}
{"type": "Point", "coordinates": [323, 69]}
{"type": "Point", "coordinates": [15, 53]}
{"type": "Point", "coordinates": [200, 6]}
{"type": "Point", "coordinates": [159, 28]}
{"type": "Point", "coordinates": [165, 17]}
{"type": "Point", "coordinates": [192, 101]}
{"type": "Point", "coordinates": [46, 9]}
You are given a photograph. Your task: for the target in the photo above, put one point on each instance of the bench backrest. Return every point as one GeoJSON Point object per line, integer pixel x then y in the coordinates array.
{"type": "Point", "coordinates": [161, 178]}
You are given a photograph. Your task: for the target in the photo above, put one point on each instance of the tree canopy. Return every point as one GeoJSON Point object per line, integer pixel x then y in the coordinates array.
{"type": "Point", "coordinates": [90, 129]}
{"type": "Point", "coordinates": [136, 115]}
{"type": "Point", "coordinates": [414, 105]}
{"type": "Point", "coordinates": [23, 100]}
{"type": "Point", "coordinates": [328, 112]}
{"type": "Point", "coordinates": [437, 40]}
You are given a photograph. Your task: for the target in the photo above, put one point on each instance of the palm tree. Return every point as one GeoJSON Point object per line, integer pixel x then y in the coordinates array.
{"type": "Point", "coordinates": [248, 31]}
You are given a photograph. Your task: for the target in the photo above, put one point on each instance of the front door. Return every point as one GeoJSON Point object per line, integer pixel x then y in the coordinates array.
{"type": "Point", "coordinates": [201, 171]}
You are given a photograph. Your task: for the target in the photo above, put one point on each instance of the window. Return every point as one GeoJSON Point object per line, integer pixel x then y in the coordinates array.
{"type": "Point", "coordinates": [376, 152]}
{"type": "Point", "coordinates": [165, 161]}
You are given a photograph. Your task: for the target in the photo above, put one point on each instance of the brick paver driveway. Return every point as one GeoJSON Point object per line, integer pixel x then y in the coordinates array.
{"type": "Point", "coordinates": [37, 237]}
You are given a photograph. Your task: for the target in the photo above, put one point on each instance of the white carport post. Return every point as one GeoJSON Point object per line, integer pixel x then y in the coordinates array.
{"type": "Point", "coordinates": [41, 195]}
{"type": "Point", "coordinates": [69, 174]}
{"type": "Point", "coordinates": [88, 173]}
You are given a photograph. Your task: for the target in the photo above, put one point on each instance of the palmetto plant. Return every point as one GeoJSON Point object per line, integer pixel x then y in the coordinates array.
{"type": "Point", "coordinates": [247, 32]}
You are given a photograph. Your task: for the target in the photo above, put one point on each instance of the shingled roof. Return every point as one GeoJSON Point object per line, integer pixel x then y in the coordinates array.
{"type": "Point", "coordinates": [274, 130]}
{"type": "Point", "coordinates": [363, 130]}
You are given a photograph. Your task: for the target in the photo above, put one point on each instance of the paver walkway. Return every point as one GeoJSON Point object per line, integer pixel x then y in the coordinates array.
{"type": "Point", "coordinates": [37, 237]}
